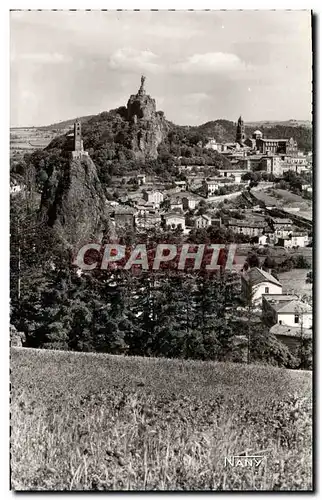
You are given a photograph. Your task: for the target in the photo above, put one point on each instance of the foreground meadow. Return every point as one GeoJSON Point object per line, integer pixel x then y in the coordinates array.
{"type": "Point", "coordinates": [101, 422]}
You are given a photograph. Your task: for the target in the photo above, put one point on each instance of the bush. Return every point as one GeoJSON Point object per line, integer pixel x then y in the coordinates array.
{"type": "Point", "coordinates": [266, 348]}
{"type": "Point", "coordinates": [300, 262]}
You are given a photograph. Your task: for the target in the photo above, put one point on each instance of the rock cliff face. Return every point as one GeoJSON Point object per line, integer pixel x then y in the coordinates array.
{"type": "Point", "coordinates": [73, 202]}
{"type": "Point", "coordinates": [148, 127]}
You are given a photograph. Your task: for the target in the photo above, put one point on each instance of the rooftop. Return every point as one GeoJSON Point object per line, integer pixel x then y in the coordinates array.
{"type": "Point", "coordinates": [290, 331]}
{"type": "Point", "coordinates": [299, 233]}
{"type": "Point", "coordinates": [169, 215]}
{"type": "Point", "coordinates": [255, 276]}
{"type": "Point", "coordinates": [278, 301]}
{"type": "Point", "coordinates": [204, 216]}
{"type": "Point", "coordinates": [246, 223]}
{"type": "Point", "coordinates": [277, 220]}
{"type": "Point", "coordinates": [279, 296]}
{"type": "Point", "coordinates": [124, 210]}
{"type": "Point", "coordinates": [151, 190]}
{"type": "Point", "coordinates": [295, 307]}
{"type": "Point", "coordinates": [186, 194]}
{"type": "Point", "coordinates": [275, 140]}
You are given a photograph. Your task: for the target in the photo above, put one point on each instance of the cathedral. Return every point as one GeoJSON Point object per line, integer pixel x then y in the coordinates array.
{"type": "Point", "coordinates": [259, 144]}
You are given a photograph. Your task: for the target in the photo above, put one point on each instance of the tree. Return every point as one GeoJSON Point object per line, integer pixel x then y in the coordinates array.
{"type": "Point", "coordinates": [300, 262]}
{"type": "Point", "coordinates": [253, 260]}
{"type": "Point", "coordinates": [173, 320]}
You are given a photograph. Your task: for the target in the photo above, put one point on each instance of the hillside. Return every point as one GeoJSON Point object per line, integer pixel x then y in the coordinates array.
{"type": "Point", "coordinates": [113, 131]}
{"type": "Point", "coordinates": [66, 124]}
{"type": "Point", "coordinates": [225, 131]}
{"type": "Point", "coordinates": [138, 137]}
{"type": "Point", "coordinates": [255, 124]}
{"type": "Point", "coordinates": [101, 422]}
{"type": "Point", "coordinates": [285, 123]}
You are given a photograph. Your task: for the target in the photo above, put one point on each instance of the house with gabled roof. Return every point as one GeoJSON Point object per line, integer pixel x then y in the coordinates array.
{"type": "Point", "coordinates": [203, 221]}
{"type": "Point", "coordinates": [286, 310]}
{"type": "Point", "coordinates": [290, 319]}
{"type": "Point", "coordinates": [255, 283]}
{"type": "Point", "coordinates": [152, 195]}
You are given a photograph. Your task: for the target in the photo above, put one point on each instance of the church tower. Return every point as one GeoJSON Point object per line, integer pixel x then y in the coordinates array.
{"type": "Point", "coordinates": [240, 134]}
{"type": "Point", "coordinates": [78, 143]}
{"type": "Point", "coordinates": [78, 151]}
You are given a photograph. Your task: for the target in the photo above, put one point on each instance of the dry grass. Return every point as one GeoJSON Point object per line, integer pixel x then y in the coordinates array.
{"type": "Point", "coordinates": [100, 422]}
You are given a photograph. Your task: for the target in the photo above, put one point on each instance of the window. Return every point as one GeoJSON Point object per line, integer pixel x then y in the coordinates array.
{"type": "Point", "coordinates": [296, 318]}
{"type": "Point", "coordinates": [266, 289]}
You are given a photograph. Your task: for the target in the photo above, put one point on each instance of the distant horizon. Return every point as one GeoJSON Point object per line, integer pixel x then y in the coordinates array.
{"type": "Point", "coordinates": [198, 64]}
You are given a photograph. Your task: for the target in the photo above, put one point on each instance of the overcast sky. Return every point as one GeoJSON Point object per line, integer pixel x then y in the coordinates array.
{"type": "Point", "coordinates": [200, 66]}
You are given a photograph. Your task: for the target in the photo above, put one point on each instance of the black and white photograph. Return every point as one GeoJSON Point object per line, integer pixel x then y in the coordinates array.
{"type": "Point", "coordinates": [161, 250]}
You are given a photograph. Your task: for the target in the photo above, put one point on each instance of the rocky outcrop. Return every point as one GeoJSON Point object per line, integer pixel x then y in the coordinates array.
{"type": "Point", "coordinates": [73, 202]}
{"type": "Point", "coordinates": [148, 127]}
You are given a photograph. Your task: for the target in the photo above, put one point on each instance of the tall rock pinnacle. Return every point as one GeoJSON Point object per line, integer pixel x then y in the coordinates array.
{"type": "Point", "coordinates": [148, 126]}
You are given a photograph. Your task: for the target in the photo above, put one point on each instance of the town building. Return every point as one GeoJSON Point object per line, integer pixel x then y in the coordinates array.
{"type": "Point", "coordinates": [148, 219]}
{"type": "Point", "coordinates": [255, 283]}
{"type": "Point", "coordinates": [181, 184]}
{"type": "Point", "coordinates": [143, 206]}
{"type": "Point", "coordinates": [295, 164]}
{"type": "Point", "coordinates": [248, 227]}
{"type": "Point", "coordinates": [153, 196]}
{"type": "Point", "coordinates": [174, 221]}
{"type": "Point", "coordinates": [271, 164]}
{"type": "Point", "coordinates": [286, 310]}
{"type": "Point", "coordinates": [203, 221]}
{"type": "Point", "coordinates": [211, 144]}
{"type": "Point", "coordinates": [175, 203]}
{"type": "Point", "coordinates": [228, 178]}
{"type": "Point", "coordinates": [251, 141]}
{"type": "Point", "coordinates": [233, 172]}
{"type": "Point", "coordinates": [211, 186]}
{"type": "Point", "coordinates": [276, 146]}
{"type": "Point", "coordinates": [141, 178]}
{"type": "Point", "coordinates": [294, 239]}
{"type": "Point", "coordinates": [281, 227]}
{"type": "Point", "coordinates": [124, 217]}
{"type": "Point", "coordinates": [184, 200]}
{"type": "Point", "coordinates": [280, 224]}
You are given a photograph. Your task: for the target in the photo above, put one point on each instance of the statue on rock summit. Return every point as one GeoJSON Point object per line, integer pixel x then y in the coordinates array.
{"type": "Point", "coordinates": [142, 89]}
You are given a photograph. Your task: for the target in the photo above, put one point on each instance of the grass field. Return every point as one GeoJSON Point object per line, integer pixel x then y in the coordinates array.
{"type": "Point", "coordinates": [295, 282]}
{"type": "Point", "coordinates": [101, 422]}
{"type": "Point", "coordinates": [28, 139]}
{"type": "Point", "coordinates": [284, 199]}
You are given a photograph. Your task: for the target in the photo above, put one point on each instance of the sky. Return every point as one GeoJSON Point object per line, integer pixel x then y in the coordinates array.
{"type": "Point", "coordinates": [199, 66]}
